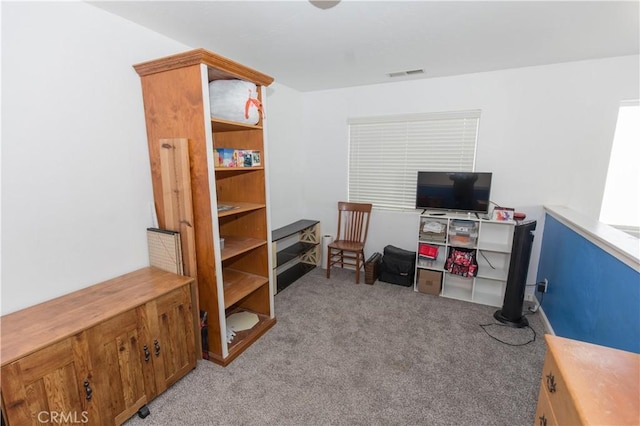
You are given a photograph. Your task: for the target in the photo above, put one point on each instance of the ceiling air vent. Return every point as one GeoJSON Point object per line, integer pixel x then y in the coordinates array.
{"type": "Point", "coordinates": [405, 73]}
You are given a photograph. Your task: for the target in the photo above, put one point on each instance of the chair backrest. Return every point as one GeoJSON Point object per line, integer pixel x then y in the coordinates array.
{"type": "Point", "coordinates": [353, 221]}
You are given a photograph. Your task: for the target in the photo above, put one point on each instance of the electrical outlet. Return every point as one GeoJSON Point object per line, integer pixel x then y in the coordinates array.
{"type": "Point", "coordinates": [543, 286]}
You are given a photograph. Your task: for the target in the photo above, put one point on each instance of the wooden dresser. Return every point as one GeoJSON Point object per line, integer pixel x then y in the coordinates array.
{"type": "Point", "coordinates": [98, 355]}
{"type": "Point", "coordinates": [587, 384]}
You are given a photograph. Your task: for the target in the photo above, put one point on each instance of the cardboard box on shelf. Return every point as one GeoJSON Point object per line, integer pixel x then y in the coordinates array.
{"type": "Point", "coordinates": [429, 282]}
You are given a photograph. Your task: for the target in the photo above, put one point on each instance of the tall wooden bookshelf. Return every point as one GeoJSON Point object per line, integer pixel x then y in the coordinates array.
{"type": "Point", "coordinates": [188, 189]}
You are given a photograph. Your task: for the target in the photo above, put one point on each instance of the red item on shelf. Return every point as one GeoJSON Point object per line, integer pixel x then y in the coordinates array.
{"type": "Point", "coordinates": [428, 251]}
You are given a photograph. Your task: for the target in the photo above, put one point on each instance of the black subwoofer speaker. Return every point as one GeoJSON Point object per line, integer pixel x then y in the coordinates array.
{"type": "Point", "coordinates": [511, 312]}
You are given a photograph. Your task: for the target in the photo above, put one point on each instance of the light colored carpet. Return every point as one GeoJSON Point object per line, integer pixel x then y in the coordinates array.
{"type": "Point", "coordinates": [382, 354]}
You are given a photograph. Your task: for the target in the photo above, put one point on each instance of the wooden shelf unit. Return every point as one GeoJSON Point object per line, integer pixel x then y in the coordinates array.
{"type": "Point", "coordinates": [221, 125]}
{"type": "Point", "coordinates": [296, 249]}
{"type": "Point", "coordinates": [235, 276]}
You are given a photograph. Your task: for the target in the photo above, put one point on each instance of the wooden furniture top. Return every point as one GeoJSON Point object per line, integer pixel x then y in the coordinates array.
{"type": "Point", "coordinates": [603, 382]}
{"type": "Point", "coordinates": [220, 68]}
{"type": "Point", "coordinates": [30, 329]}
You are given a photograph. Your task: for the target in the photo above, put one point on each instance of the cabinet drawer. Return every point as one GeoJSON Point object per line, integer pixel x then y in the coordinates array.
{"type": "Point", "coordinates": [588, 384]}
{"type": "Point", "coordinates": [544, 412]}
{"type": "Point", "coordinates": [555, 386]}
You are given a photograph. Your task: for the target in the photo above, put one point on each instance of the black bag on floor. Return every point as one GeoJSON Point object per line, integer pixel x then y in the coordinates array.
{"type": "Point", "coordinates": [398, 266]}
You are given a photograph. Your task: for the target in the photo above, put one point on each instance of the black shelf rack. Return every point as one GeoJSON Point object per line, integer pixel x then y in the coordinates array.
{"type": "Point", "coordinates": [304, 252]}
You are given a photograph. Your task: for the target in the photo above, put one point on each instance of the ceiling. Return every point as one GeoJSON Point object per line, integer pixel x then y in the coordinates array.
{"type": "Point", "coordinates": [362, 42]}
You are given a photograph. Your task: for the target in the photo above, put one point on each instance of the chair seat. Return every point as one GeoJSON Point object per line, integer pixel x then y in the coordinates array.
{"type": "Point", "coordinates": [346, 245]}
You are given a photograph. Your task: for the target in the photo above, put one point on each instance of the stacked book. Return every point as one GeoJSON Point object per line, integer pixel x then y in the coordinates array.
{"type": "Point", "coordinates": [433, 230]}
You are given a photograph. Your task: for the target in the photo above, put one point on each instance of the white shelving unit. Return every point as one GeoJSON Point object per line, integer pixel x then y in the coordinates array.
{"type": "Point", "coordinates": [490, 240]}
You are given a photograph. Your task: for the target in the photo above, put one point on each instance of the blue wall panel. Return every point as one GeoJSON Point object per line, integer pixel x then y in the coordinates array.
{"type": "Point", "coordinates": [592, 296]}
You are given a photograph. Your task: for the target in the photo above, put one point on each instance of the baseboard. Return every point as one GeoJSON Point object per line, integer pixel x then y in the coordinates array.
{"type": "Point", "coordinates": [547, 325]}
{"type": "Point", "coordinates": [537, 308]}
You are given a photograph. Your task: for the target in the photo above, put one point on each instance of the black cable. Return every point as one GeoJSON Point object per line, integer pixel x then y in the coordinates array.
{"type": "Point", "coordinates": [533, 339]}
{"type": "Point", "coordinates": [484, 327]}
{"type": "Point", "coordinates": [485, 258]}
{"type": "Point", "coordinates": [541, 299]}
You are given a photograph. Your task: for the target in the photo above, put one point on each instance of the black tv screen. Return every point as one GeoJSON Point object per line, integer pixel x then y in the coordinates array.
{"type": "Point", "coordinates": [454, 191]}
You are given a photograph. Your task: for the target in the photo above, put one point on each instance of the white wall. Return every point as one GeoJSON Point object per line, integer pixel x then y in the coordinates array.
{"type": "Point", "coordinates": [76, 186]}
{"type": "Point", "coordinates": [285, 149]}
{"type": "Point", "coordinates": [76, 191]}
{"type": "Point", "coordinates": [545, 133]}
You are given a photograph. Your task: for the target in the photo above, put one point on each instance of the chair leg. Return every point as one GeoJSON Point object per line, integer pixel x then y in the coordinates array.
{"type": "Point", "coordinates": [357, 268]}
{"type": "Point", "coordinates": [328, 262]}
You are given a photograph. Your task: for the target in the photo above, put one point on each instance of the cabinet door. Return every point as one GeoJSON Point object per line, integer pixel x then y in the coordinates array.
{"type": "Point", "coordinates": [172, 336]}
{"type": "Point", "coordinates": [117, 349]}
{"type": "Point", "coordinates": [51, 386]}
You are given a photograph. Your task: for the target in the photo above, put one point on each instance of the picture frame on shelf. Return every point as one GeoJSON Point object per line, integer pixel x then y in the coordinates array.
{"type": "Point", "coordinates": [503, 214]}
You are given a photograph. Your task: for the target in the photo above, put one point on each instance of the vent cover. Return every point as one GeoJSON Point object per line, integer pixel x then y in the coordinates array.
{"type": "Point", "coordinates": [405, 73]}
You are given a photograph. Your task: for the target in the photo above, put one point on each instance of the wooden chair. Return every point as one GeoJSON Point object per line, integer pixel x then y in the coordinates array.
{"type": "Point", "coordinates": [348, 248]}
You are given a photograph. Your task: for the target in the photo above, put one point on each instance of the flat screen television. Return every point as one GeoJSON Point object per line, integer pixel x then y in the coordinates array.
{"type": "Point", "coordinates": [454, 191]}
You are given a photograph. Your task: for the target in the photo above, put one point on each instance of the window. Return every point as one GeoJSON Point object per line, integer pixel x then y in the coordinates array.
{"type": "Point", "coordinates": [385, 153]}
{"type": "Point", "coordinates": [620, 203]}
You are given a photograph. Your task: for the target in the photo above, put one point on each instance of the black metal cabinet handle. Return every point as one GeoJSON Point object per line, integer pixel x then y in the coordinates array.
{"type": "Point", "coordinates": [551, 383]}
{"type": "Point", "coordinates": [157, 346]}
{"type": "Point", "coordinates": [147, 354]}
{"type": "Point", "coordinates": [88, 390]}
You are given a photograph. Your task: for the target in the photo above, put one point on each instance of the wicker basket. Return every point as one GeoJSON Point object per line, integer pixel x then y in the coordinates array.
{"type": "Point", "coordinates": [372, 268]}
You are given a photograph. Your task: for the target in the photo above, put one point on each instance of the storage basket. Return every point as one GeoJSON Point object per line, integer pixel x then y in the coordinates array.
{"type": "Point", "coordinates": [372, 268]}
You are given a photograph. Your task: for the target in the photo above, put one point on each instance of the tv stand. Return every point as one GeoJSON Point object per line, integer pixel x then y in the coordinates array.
{"type": "Point", "coordinates": [491, 240]}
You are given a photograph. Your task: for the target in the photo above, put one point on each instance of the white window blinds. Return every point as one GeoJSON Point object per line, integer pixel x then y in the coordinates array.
{"type": "Point", "coordinates": [385, 153]}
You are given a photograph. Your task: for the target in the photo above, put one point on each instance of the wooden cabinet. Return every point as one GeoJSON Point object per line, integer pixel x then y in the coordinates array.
{"type": "Point", "coordinates": [171, 319]}
{"type": "Point", "coordinates": [100, 354]}
{"type": "Point", "coordinates": [489, 240]}
{"type": "Point", "coordinates": [296, 250]}
{"type": "Point", "coordinates": [51, 382]}
{"type": "Point", "coordinates": [148, 350]}
{"type": "Point", "coordinates": [182, 140]}
{"type": "Point", "coordinates": [117, 345]}
{"type": "Point", "coordinates": [587, 384]}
